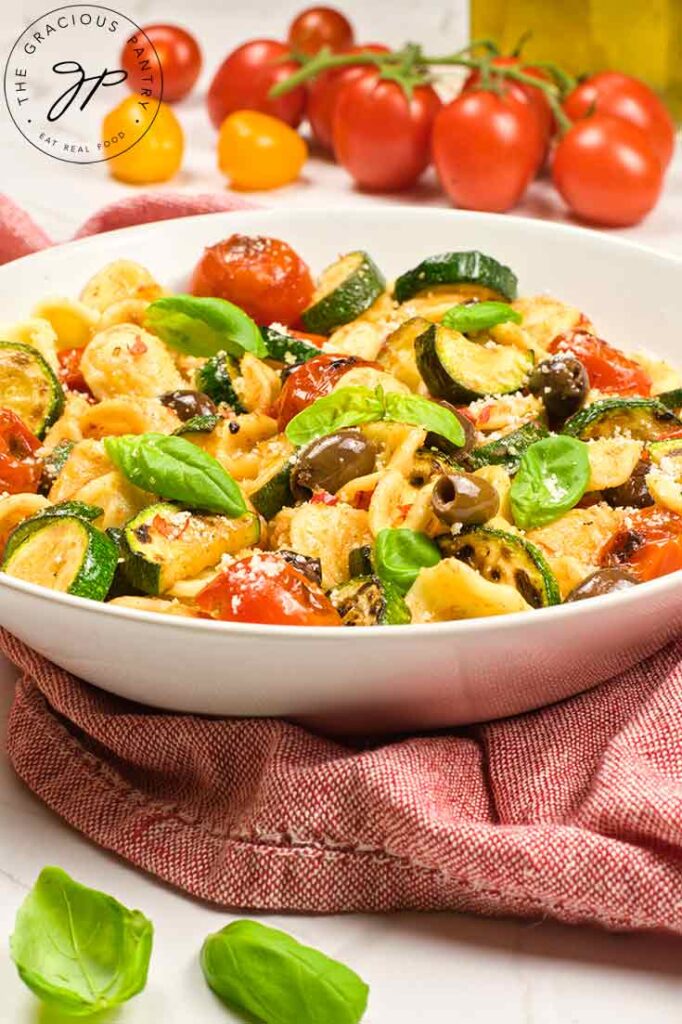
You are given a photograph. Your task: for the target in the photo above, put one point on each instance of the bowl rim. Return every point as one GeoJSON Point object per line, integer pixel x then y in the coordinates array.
{"type": "Point", "coordinates": [533, 618]}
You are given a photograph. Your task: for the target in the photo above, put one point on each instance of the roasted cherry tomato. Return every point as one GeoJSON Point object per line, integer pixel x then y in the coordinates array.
{"type": "Point", "coordinates": [535, 98]}
{"type": "Point", "coordinates": [487, 149]}
{"type": "Point", "coordinates": [70, 369]}
{"type": "Point", "coordinates": [244, 79]}
{"type": "Point", "coordinates": [649, 544]}
{"type": "Point", "coordinates": [320, 26]}
{"type": "Point", "coordinates": [312, 380]}
{"type": "Point", "coordinates": [380, 137]}
{"type": "Point", "coordinates": [611, 92]}
{"type": "Point", "coordinates": [263, 276]}
{"type": "Point", "coordinates": [325, 91]}
{"type": "Point", "coordinates": [265, 588]}
{"type": "Point", "coordinates": [608, 369]}
{"type": "Point", "coordinates": [178, 53]}
{"type": "Point", "coordinates": [157, 154]}
{"type": "Point", "coordinates": [607, 171]}
{"type": "Point", "coordinates": [256, 151]}
{"type": "Point", "coordinates": [20, 469]}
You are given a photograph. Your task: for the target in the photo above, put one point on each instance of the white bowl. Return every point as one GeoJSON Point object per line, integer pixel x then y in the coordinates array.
{"type": "Point", "coordinates": [366, 678]}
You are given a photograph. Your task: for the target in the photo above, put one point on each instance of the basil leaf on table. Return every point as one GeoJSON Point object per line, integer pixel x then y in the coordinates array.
{"type": "Point", "coordinates": [203, 327]}
{"type": "Point", "coordinates": [479, 316]}
{"type": "Point", "coordinates": [422, 412]}
{"type": "Point", "coordinates": [77, 949]}
{"type": "Point", "coordinates": [346, 407]}
{"type": "Point", "coordinates": [177, 470]}
{"type": "Point", "coordinates": [553, 476]}
{"type": "Point", "coordinates": [267, 976]}
{"type": "Point", "coordinates": [400, 554]}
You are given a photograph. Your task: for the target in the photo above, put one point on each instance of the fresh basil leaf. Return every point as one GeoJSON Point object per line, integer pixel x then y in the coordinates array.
{"type": "Point", "coordinates": [177, 470]}
{"type": "Point", "coordinates": [421, 412]}
{"type": "Point", "coordinates": [553, 476]}
{"type": "Point", "coordinates": [479, 316]}
{"type": "Point", "coordinates": [266, 975]}
{"type": "Point", "coordinates": [198, 425]}
{"type": "Point", "coordinates": [400, 554]}
{"type": "Point", "coordinates": [347, 407]}
{"type": "Point", "coordinates": [79, 950]}
{"type": "Point", "coordinates": [202, 327]}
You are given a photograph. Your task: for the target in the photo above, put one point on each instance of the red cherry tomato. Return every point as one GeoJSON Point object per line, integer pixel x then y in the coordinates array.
{"type": "Point", "coordinates": [244, 79]}
{"type": "Point", "coordinates": [535, 98]}
{"type": "Point", "coordinates": [611, 92]}
{"type": "Point", "coordinates": [380, 137]}
{"type": "Point", "coordinates": [312, 380]}
{"type": "Point", "coordinates": [263, 276]}
{"type": "Point", "coordinates": [649, 544]}
{"type": "Point", "coordinates": [178, 53]}
{"type": "Point", "coordinates": [20, 470]}
{"type": "Point", "coordinates": [320, 26]}
{"type": "Point", "coordinates": [486, 149]}
{"type": "Point", "coordinates": [317, 340]}
{"type": "Point", "coordinates": [607, 171]}
{"type": "Point", "coordinates": [607, 368]}
{"type": "Point", "coordinates": [70, 369]}
{"type": "Point", "coordinates": [264, 588]}
{"type": "Point", "coordinates": [325, 90]}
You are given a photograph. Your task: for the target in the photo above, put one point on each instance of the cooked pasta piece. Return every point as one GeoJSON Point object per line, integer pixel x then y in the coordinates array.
{"type": "Point", "coordinates": [127, 360]}
{"type": "Point", "coordinates": [122, 279]}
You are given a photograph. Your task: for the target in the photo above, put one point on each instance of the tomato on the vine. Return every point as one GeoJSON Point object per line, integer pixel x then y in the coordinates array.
{"type": "Point", "coordinates": [320, 26]}
{"type": "Point", "coordinates": [263, 276]}
{"type": "Point", "coordinates": [20, 469]}
{"type": "Point", "coordinates": [244, 79]}
{"type": "Point", "coordinates": [607, 368]}
{"type": "Point", "coordinates": [382, 138]}
{"type": "Point", "coordinates": [157, 155]}
{"type": "Point", "coordinates": [521, 91]}
{"type": "Point", "coordinates": [325, 89]}
{"type": "Point", "coordinates": [486, 148]}
{"type": "Point", "coordinates": [178, 54]}
{"type": "Point", "coordinates": [607, 171]}
{"type": "Point", "coordinates": [649, 544]}
{"type": "Point", "coordinates": [256, 151]}
{"type": "Point", "coordinates": [311, 380]}
{"type": "Point", "coordinates": [611, 92]}
{"type": "Point", "coordinates": [267, 589]}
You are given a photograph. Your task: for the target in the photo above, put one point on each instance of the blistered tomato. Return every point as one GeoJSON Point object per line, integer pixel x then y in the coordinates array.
{"type": "Point", "coordinates": [153, 156]}
{"type": "Point", "coordinates": [649, 544]}
{"type": "Point", "coordinates": [256, 151]}
{"type": "Point", "coordinates": [312, 380]}
{"type": "Point", "coordinates": [20, 469]}
{"type": "Point", "coordinates": [608, 369]}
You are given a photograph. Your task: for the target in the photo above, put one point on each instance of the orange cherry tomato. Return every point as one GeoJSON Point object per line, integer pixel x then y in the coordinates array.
{"type": "Point", "coordinates": [649, 544]}
{"type": "Point", "coordinates": [157, 153]}
{"type": "Point", "coordinates": [267, 589]}
{"type": "Point", "coordinates": [20, 469]}
{"type": "Point", "coordinates": [263, 276]}
{"type": "Point", "coordinates": [607, 368]}
{"type": "Point", "coordinates": [320, 26]}
{"type": "Point", "coordinates": [312, 380]}
{"type": "Point", "coordinates": [256, 151]}
{"type": "Point", "coordinates": [70, 369]}
{"type": "Point", "coordinates": [178, 54]}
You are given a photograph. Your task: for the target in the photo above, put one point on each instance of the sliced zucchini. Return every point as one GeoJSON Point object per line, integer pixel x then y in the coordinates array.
{"type": "Point", "coordinates": [199, 425]}
{"type": "Point", "coordinates": [274, 492]}
{"type": "Point", "coordinates": [369, 601]}
{"type": "Point", "coordinates": [449, 268]}
{"type": "Point", "coordinates": [502, 557]}
{"type": "Point", "coordinates": [397, 355]}
{"type": "Point", "coordinates": [69, 509]}
{"type": "Point", "coordinates": [347, 288]}
{"type": "Point", "coordinates": [29, 387]}
{"type": "Point", "coordinates": [285, 349]}
{"type": "Point", "coordinates": [360, 561]}
{"type": "Point", "coordinates": [216, 379]}
{"type": "Point", "coordinates": [164, 544]}
{"type": "Point", "coordinates": [62, 552]}
{"type": "Point", "coordinates": [53, 464]}
{"type": "Point", "coordinates": [507, 451]}
{"type": "Point", "coordinates": [643, 419]}
{"type": "Point", "coordinates": [428, 463]}
{"type": "Point", "coordinates": [672, 448]}
{"type": "Point", "coordinates": [672, 399]}
{"type": "Point", "coordinates": [461, 371]}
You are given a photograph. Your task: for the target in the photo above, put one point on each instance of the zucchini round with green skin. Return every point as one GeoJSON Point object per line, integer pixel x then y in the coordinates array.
{"type": "Point", "coordinates": [461, 371]}
{"type": "Point", "coordinates": [164, 544]}
{"type": "Point", "coordinates": [53, 464]}
{"type": "Point", "coordinates": [397, 355]}
{"type": "Point", "coordinates": [62, 552]}
{"type": "Point", "coordinates": [369, 601]}
{"type": "Point", "coordinates": [347, 288]}
{"type": "Point", "coordinates": [643, 419]}
{"type": "Point", "coordinates": [29, 387]}
{"type": "Point", "coordinates": [275, 493]}
{"type": "Point", "coordinates": [507, 451]}
{"type": "Point", "coordinates": [360, 561]}
{"type": "Point", "coordinates": [71, 509]}
{"type": "Point", "coordinates": [672, 399]}
{"type": "Point", "coordinates": [428, 463]}
{"type": "Point", "coordinates": [285, 349]}
{"type": "Point", "coordinates": [453, 268]}
{"type": "Point", "coordinates": [216, 379]}
{"type": "Point", "coordinates": [502, 557]}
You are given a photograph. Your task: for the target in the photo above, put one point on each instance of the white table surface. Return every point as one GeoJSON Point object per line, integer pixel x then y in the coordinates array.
{"type": "Point", "coordinates": [437, 967]}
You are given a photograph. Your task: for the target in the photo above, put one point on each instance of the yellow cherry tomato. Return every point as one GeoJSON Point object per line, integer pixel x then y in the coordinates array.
{"type": "Point", "coordinates": [147, 150]}
{"type": "Point", "coordinates": [256, 151]}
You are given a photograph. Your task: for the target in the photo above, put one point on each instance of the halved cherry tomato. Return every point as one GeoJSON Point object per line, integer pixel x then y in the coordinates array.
{"type": "Point", "coordinates": [263, 276]}
{"type": "Point", "coordinates": [178, 54]}
{"type": "Point", "coordinates": [244, 79]}
{"type": "Point", "coordinates": [607, 368]}
{"type": "Point", "coordinates": [535, 98]}
{"type": "Point", "coordinates": [312, 380]}
{"type": "Point", "coordinates": [326, 89]}
{"type": "Point", "coordinates": [157, 153]}
{"type": "Point", "coordinates": [320, 26]}
{"type": "Point", "coordinates": [257, 151]}
{"type": "Point", "coordinates": [264, 588]}
{"type": "Point", "coordinates": [649, 544]}
{"type": "Point", "coordinates": [20, 470]}
{"type": "Point", "coordinates": [70, 369]}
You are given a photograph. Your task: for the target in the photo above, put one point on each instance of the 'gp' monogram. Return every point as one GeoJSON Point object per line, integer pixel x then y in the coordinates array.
{"type": "Point", "coordinates": [72, 67]}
